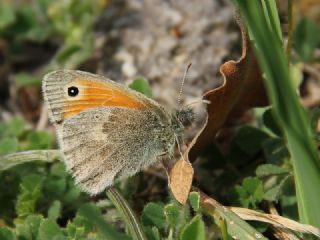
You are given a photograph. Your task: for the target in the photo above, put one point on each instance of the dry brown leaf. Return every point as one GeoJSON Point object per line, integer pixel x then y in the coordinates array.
{"type": "Point", "coordinates": [276, 220]}
{"type": "Point", "coordinates": [180, 180]}
{"type": "Point", "coordinates": [284, 234]}
{"type": "Point", "coordinates": [241, 90]}
{"type": "Point", "coordinates": [181, 174]}
{"type": "Point", "coordinates": [283, 225]}
{"type": "Point", "coordinates": [281, 233]}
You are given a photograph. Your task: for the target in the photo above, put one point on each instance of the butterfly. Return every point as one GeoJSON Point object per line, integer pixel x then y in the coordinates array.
{"type": "Point", "coordinates": [107, 131]}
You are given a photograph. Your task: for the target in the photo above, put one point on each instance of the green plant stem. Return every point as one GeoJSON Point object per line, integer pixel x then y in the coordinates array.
{"type": "Point", "coordinates": [127, 214]}
{"type": "Point", "coordinates": [14, 159]}
{"type": "Point", "coordinates": [290, 30]}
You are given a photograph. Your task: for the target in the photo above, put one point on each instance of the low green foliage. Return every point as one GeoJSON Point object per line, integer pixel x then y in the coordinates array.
{"type": "Point", "coordinates": [153, 215]}
{"type": "Point", "coordinates": [250, 192]}
{"type": "Point", "coordinates": [65, 25]}
{"type": "Point", "coordinates": [194, 230]}
{"type": "Point", "coordinates": [265, 160]}
{"type": "Point", "coordinates": [142, 86]}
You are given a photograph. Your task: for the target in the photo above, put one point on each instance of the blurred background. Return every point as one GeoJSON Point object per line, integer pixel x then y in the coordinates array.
{"type": "Point", "coordinates": [124, 40]}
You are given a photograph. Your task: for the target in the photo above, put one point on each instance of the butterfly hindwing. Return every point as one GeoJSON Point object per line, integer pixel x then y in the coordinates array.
{"type": "Point", "coordinates": [108, 142]}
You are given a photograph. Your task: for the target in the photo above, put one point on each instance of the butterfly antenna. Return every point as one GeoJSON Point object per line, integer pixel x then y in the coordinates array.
{"type": "Point", "coordinates": [182, 83]}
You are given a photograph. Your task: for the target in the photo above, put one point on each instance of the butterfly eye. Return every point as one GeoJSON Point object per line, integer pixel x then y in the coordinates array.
{"type": "Point", "coordinates": [73, 91]}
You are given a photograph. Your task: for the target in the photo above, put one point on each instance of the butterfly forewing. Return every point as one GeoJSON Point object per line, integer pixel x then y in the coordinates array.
{"type": "Point", "coordinates": [105, 130]}
{"type": "Point", "coordinates": [92, 91]}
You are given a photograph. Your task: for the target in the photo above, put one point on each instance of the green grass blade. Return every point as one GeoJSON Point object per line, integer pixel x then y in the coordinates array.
{"type": "Point", "coordinates": [104, 228]}
{"type": "Point", "coordinates": [272, 16]}
{"type": "Point", "coordinates": [127, 214]}
{"type": "Point", "coordinates": [288, 111]}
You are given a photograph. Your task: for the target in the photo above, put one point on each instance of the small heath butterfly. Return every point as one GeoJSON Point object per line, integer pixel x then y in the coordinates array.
{"type": "Point", "coordinates": [107, 131]}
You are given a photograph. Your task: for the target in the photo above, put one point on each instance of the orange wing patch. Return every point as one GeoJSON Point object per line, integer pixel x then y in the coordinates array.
{"type": "Point", "coordinates": [97, 94]}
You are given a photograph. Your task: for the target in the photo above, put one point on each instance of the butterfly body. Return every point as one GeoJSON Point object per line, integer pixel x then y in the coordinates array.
{"type": "Point", "coordinates": [105, 130]}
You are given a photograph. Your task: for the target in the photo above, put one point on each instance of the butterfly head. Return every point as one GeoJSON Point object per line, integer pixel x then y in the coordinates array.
{"type": "Point", "coordinates": [183, 119]}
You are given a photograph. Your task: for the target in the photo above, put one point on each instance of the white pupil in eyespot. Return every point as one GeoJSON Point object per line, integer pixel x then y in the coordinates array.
{"type": "Point", "coordinates": [73, 91]}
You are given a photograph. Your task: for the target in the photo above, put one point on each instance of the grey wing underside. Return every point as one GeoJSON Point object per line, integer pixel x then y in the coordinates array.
{"type": "Point", "coordinates": [105, 143]}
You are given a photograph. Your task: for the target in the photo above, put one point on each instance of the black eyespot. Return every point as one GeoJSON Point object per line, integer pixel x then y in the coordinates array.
{"type": "Point", "coordinates": [73, 91]}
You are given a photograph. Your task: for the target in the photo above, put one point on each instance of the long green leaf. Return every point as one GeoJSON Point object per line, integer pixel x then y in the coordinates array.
{"type": "Point", "coordinates": [272, 16]}
{"type": "Point", "coordinates": [288, 110]}
{"type": "Point", "coordinates": [236, 227]}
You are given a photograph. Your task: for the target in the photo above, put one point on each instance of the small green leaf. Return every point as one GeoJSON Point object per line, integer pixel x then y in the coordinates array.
{"type": "Point", "coordinates": [24, 79]}
{"type": "Point", "coordinates": [7, 234]}
{"type": "Point", "coordinates": [83, 223]}
{"type": "Point", "coordinates": [55, 187]}
{"type": "Point", "coordinates": [250, 139]}
{"type": "Point", "coordinates": [75, 232]}
{"type": "Point", "coordinates": [50, 230]}
{"type": "Point", "coordinates": [29, 228]}
{"type": "Point", "coordinates": [7, 15]}
{"type": "Point", "coordinates": [8, 145]}
{"type": "Point", "coordinates": [194, 199]}
{"type": "Point", "coordinates": [172, 213]}
{"type": "Point", "coordinates": [34, 222]}
{"type": "Point", "coordinates": [39, 140]}
{"type": "Point", "coordinates": [306, 39]}
{"type": "Point", "coordinates": [270, 169]}
{"type": "Point", "coordinates": [29, 194]}
{"type": "Point", "coordinates": [72, 193]}
{"type": "Point", "coordinates": [272, 194]}
{"type": "Point", "coordinates": [142, 86]}
{"type": "Point", "coordinates": [194, 230]}
{"type": "Point", "coordinates": [250, 192]}
{"type": "Point", "coordinates": [153, 215]}
{"type": "Point", "coordinates": [274, 185]}
{"type": "Point", "coordinates": [152, 233]}
{"type": "Point", "coordinates": [54, 210]}
{"type": "Point", "coordinates": [254, 187]}
{"type": "Point", "coordinates": [14, 128]}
